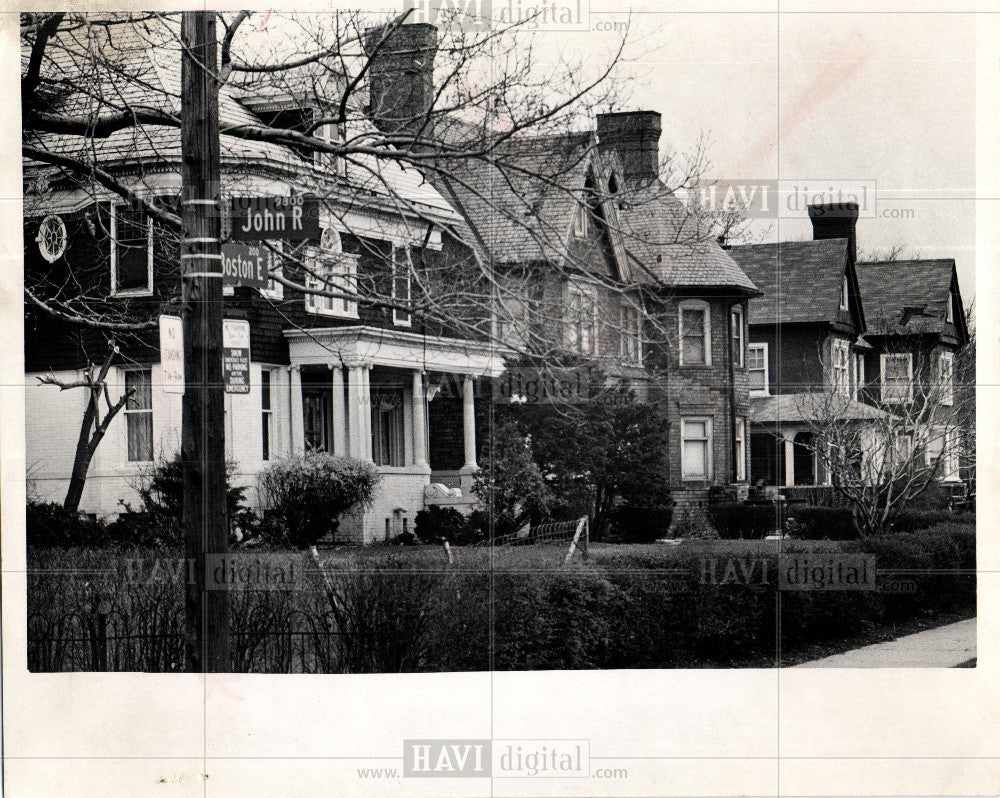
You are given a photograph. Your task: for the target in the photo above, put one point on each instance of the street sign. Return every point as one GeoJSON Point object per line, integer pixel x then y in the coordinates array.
{"type": "Point", "coordinates": [172, 354]}
{"type": "Point", "coordinates": [236, 355]}
{"type": "Point", "coordinates": [274, 218]}
{"type": "Point", "coordinates": [247, 264]}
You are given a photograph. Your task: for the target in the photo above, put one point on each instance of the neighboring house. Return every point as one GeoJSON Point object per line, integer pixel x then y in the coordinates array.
{"type": "Point", "coordinates": [326, 374]}
{"type": "Point", "coordinates": [602, 266]}
{"type": "Point", "coordinates": [806, 345]}
{"type": "Point", "coordinates": [917, 328]}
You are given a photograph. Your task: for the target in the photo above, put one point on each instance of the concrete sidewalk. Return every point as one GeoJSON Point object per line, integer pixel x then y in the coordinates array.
{"type": "Point", "coordinates": [943, 647]}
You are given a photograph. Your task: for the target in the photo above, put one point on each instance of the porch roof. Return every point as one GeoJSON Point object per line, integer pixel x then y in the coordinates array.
{"type": "Point", "coordinates": [359, 345]}
{"type": "Point", "coordinates": [804, 408]}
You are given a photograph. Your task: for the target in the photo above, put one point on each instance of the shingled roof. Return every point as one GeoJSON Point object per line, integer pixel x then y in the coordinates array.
{"type": "Point", "coordinates": [670, 246]}
{"type": "Point", "coordinates": [912, 295]}
{"type": "Point", "coordinates": [140, 67]}
{"type": "Point", "coordinates": [801, 280]}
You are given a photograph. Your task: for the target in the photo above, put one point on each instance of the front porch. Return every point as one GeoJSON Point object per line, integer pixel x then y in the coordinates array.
{"type": "Point", "coordinates": [403, 401]}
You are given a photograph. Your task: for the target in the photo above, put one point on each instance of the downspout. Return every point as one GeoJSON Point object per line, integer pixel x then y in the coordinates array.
{"type": "Point", "coordinates": [734, 472]}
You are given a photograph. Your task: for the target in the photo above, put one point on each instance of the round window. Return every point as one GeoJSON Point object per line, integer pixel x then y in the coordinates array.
{"type": "Point", "coordinates": [51, 238]}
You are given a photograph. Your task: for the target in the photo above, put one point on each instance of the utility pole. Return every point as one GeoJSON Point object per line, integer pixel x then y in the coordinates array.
{"type": "Point", "coordinates": [202, 433]}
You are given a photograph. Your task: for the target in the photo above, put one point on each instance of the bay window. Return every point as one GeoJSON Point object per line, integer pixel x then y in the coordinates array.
{"type": "Point", "coordinates": [695, 333]}
{"type": "Point", "coordinates": [580, 321]}
{"type": "Point", "coordinates": [946, 378]}
{"type": "Point", "coordinates": [736, 321]}
{"type": "Point", "coordinates": [897, 378]}
{"type": "Point", "coordinates": [696, 448]}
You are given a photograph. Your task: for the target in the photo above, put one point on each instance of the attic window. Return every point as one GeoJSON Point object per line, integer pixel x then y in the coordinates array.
{"type": "Point", "coordinates": [949, 314]}
{"type": "Point", "coordinates": [843, 294]}
{"type": "Point", "coordinates": [581, 221]}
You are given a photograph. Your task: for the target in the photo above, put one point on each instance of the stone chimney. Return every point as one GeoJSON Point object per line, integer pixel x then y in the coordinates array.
{"type": "Point", "coordinates": [836, 220]}
{"type": "Point", "coordinates": [401, 77]}
{"type": "Point", "coordinates": [636, 137]}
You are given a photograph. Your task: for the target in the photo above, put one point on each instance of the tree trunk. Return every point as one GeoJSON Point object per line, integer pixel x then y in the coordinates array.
{"type": "Point", "coordinates": [85, 448]}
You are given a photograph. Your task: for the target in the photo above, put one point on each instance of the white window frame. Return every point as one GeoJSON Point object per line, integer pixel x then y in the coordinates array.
{"type": "Point", "coordinates": [741, 448]}
{"type": "Point", "coordinates": [840, 370]}
{"type": "Point", "coordinates": [859, 374]}
{"type": "Point", "coordinates": [330, 133]}
{"type": "Point", "coordinates": [884, 358]}
{"type": "Point", "coordinates": [130, 412]}
{"type": "Point", "coordinates": [267, 430]}
{"type": "Point", "coordinates": [952, 464]}
{"type": "Point", "coordinates": [762, 347]}
{"type": "Point", "coordinates": [695, 304]}
{"type": "Point", "coordinates": [844, 294]}
{"type": "Point", "coordinates": [946, 379]}
{"type": "Point", "coordinates": [708, 438]}
{"type": "Point", "coordinates": [339, 271]}
{"type": "Point", "coordinates": [738, 335]}
{"type": "Point", "coordinates": [274, 289]}
{"type": "Point", "coordinates": [402, 318]}
{"type": "Point", "coordinates": [574, 321]}
{"type": "Point", "coordinates": [126, 292]}
{"type": "Point", "coordinates": [949, 314]}
{"type": "Point", "coordinates": [631, 335]}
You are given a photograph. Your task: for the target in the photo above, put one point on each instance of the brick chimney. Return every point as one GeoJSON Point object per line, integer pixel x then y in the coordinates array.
{"type": "Point", "coordinates": [401, 77]}
{"type": "Point", "coordinates": [636, 137]}
{"type": "Point", "coordinates": [836, 220]}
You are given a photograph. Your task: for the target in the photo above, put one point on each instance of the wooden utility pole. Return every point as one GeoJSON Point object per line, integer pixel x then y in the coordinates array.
{"type": "Point", "coordinates": [203, 442]}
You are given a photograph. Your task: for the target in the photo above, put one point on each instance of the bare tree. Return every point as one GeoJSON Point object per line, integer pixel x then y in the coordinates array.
{"type": "Point", "coordinates": [882, 454]}
{"type": "Point", "coordinates": [94, 426]}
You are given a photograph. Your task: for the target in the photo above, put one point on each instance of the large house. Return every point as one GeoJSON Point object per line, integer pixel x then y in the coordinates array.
{"type": "Point", "coordinates": [817, 356]}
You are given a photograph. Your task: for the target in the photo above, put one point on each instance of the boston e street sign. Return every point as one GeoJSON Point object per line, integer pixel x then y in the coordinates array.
{"type": "Point", "coordinates": [248, 264]}
{"type": "Point", "coordinates": [273, 218]}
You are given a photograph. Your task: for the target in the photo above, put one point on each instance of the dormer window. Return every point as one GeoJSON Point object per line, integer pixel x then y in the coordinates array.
{"type": "Point", "coordinates": [844, 294]}
{"type": "Point", "coordinates": [331, 134]}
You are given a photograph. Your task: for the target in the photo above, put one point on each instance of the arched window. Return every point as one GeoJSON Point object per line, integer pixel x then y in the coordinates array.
{"type": "Point", "coordinates": [694, 332]}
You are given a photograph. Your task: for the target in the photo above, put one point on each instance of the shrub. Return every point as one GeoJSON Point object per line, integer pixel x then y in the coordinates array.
{"type": "Point", "coordinates": [743, 520]}
{"type": "Point", "coordinates": [642, 518]}
{"type": "Point", "coordinates": [50, 524]}
{"type": "Point", "coordinates": [440, 523]}
{"type": "Point", "coordinates": [162, 490]}
{"type": "Point", "coordinates": [145, 528]}
{"type": "Point", "coordinates": [909, 520]}
{"type": "Point", "coordinates": [823, 523]}
{"type": "Point", "coordinates": [308, 495]}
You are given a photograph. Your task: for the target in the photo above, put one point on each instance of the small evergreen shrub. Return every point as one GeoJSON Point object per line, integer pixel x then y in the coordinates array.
{"type": "Point", "coordinates": [823, 523]}
{"type": "Point", "coordinates": [734, 521]}
{"type": "Point", "coordinates": [308, 495]}
{"type": "Point", "coordinates": [50, 524]}
{"type": "Point", "coordinates": [440, 523]}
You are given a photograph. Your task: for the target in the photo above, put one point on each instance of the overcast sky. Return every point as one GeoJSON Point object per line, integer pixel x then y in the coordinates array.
{"type": "Point", "coordinates": [888, 98]}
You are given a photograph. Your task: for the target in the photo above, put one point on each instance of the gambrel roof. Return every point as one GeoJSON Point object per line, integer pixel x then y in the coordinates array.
{"type": "Point", "coordinates": [801, 280]}
{"type": "Point", "coordinates": [912, 296]}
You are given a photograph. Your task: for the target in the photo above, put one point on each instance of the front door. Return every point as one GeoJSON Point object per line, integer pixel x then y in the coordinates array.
{"type": "Point", "coordinates": [316, 418]}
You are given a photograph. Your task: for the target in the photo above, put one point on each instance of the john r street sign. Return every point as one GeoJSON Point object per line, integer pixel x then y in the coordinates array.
{"type": "Point", "coordinates": [273, 218]}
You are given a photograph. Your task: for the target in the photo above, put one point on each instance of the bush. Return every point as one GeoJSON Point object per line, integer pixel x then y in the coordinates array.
{"type": "Point", "coordinates": [643, 518]}
{"type": "Point", "coordinates": [910, 520]}
{"type": "Point", "coordinates": [308, 495]}
{"type": "Point", "coordinates": [162, 490]}
{"type": "Point", "coordinates": [440, 523]}
{"type": "Point", "coordinates": [145, 528]}
{"type": "Point", "coordinates": [740, 520]}
{"type": "Point", "coordinates": [50, 524]}
{"type": "Point", "coordinates": [823, 523]}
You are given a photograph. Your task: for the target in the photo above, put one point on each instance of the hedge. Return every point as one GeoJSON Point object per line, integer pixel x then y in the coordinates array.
{"type": "Point", "coordinates": [519, 609]}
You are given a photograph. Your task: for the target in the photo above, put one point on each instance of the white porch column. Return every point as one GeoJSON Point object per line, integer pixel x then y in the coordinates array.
{"type": "Point", "coordinates": [419, 420]}
{"type": "Point", "coordinates": [358, 413]}
{"type": "Point", "coordinates": [298, 435]}
{"type": "Point", "coordinates": [469, 424]}
{"type": "Point", "coordinates": [339, 411]}
{"type": "Point", "coordinates": [789, 458]}
{"type": "Point", "coordinates": [366, 409]}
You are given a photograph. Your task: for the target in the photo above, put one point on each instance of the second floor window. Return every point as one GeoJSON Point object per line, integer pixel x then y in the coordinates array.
{"type": "Point", "coordinates": [139, 415]}
{"type": "Point", "coordinates": [841, 354]}
{"type": "Point", "coordinates": [859, 374]}
{"type": "Point", "coordinates": [695, 334]}
{"type": "Point", "coordinates": [736, 321]}
{"type": "Point", "coordinates": [757, 370]}
{"type": "Point", "coordinates": [581, 318]}
{"type": "Point", "coordinates": [401, 267]}
{"type": "Point", "coordinates": [336, 272]}
{"type": "Point", "coordinates": [631, 339]}
{"type": "Point", "coordinates": [897, 378]}
{"type": "Point", "coordinates": [131, 251]}
{"type": "Point", "coordinates": [946, 378]}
